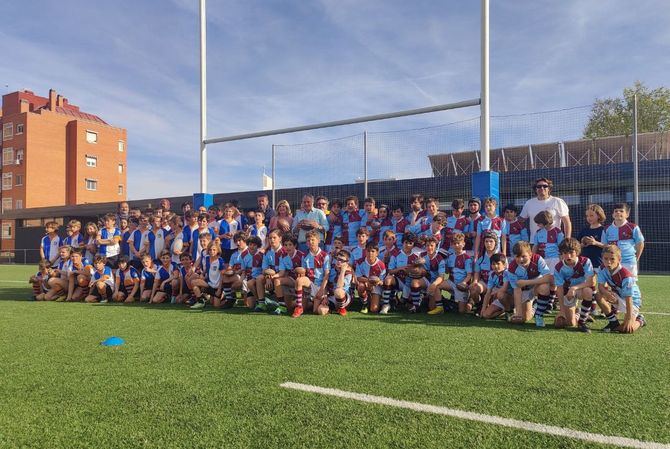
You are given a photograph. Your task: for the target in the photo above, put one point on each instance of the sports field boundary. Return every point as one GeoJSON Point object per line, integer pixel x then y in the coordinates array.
{"type": "Point", "coordinates": [472, 416]}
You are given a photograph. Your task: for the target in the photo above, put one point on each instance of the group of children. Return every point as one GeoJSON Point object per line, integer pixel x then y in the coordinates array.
{"type": "Point", "coordinates": [379, 257]}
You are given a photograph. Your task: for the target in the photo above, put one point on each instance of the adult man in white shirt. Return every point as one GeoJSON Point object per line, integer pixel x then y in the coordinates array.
{"type": "Point", "coordinates": [544, 201]}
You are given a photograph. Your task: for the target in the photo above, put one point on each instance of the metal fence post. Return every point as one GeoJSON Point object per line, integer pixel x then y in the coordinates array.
{"type": "Point", "coordinates": [365, 164]}
{"type": "Point", "coordinates": [636, 175]}
{"type": "Point", "coordinates": [273, 177]}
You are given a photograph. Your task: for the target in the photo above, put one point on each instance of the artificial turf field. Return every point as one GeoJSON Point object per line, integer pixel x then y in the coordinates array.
{"type": "Point", "coordinates": [211, 379]}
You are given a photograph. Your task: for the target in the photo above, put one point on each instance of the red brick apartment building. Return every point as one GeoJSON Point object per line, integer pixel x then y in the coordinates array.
{"type": "Point", "coordinates": [54, 154]}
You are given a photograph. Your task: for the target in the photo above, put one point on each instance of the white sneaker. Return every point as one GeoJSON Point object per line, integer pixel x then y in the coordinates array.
{"type": "Point", "coordinates": [385, 309]}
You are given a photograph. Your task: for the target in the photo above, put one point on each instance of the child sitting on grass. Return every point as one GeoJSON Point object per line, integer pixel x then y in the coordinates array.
{"type": "Point", "coordinates": [618, 292]}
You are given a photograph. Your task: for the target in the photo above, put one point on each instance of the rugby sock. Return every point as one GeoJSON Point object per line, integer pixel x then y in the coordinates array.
{"type": "Point", "coordinates": [541, 305]}
{"type": "Point", "coordinates": [611, 317]}
{"type": "Point", "coordinates": [227, 292]}
{"type": "Point", "coordinates": [37, 288]}
{"type": "Point", "coordinates": [298, 298]}
{"type": "Point", "coordinates": [585, 311]}
{"type": "Point", "coordinates": [553, 297]}
{"type": "Point", "coordinates": [386, 295]}
{"type": "Point", "coordinates": [340, 304]}
{"type": "Point", "coordinates": [415, 294]}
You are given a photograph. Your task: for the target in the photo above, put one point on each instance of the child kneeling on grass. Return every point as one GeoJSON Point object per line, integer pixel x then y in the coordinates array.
{"type": "Point", "coordinates": [102, 281]}
{"type": "Point", "coordinates": [574, 277]}
{"type": "Point", "coordinates": [529, 276]}
{"type": "Point", "coordinates": [618, 292]}
{"type": "Point", "coordinates": [40, 280]}
{"type": "Point", "coordinates": [210, 288]}
{"type": "Point", "coordinates": [127, 282]}
{"type": "Point", "coordinates": [339, 285]}
{"type": "Point", "coordinates": [316, 266]}
{"type": "Point", "coordinates": [499, 297]}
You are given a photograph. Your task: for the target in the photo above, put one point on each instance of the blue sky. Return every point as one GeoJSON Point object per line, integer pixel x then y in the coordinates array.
{"type": "Point", "coordinates": [284, 63]}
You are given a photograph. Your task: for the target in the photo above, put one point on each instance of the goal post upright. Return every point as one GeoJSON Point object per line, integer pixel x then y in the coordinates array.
{"type": "Point", "coordinates": [203, 198]}
{"type": "Point", "coordinates": [485, 183]}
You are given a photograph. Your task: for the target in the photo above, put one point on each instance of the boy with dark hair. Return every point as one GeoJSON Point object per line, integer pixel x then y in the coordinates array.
{"type": "Point", "coordinates": [529, 276]}
{"type": "Point", "coordinates": [370, 274]}
{"type": "Point", "coordinates": [574, 277]}
{"type": "Point", "coordinates": [627, 236]}
{"type": "Point", "coordinates": [514, 228]}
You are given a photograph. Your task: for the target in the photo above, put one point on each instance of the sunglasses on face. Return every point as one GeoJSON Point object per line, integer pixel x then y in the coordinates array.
{"type": "Point", "coordinates": [542, 186]}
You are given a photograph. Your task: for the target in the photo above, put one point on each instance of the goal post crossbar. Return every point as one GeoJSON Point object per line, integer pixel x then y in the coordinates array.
{"type": "Point", "coordinates": [349, 121]}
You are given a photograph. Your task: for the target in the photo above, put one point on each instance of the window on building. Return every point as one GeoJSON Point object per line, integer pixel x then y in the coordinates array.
{"type": "Point", "coordinates": [91, 184]}
{"type": "Point", "coordinates": [6, 181]}
{"type": "Point", "coordinates": [6, 204]}
{"type": "Point", "coordinates": [19, 156]}
{"type": "Point", "coordinates": [6, 230]}
{"type": "Point", "coordinates": [91, 161]}
{"type": "Point", "coordinates": [7, 156]}
{"type": "Point", "coordinates": [121, 145]}
{"type": "Point", "coordinates": [7, 131]}
{"type": "Point", "coordinates": [91, 137]}
{"type": "Point", "coordinates": [120, 168]}
{"type": "Point", "coordinates": [120, 189]}
{"type": "Point", "coordinates": [18, 204]}
{"type": "Point", "coordinates": [19, 128]}
{"type": "Point", "coordinates": [32, 223]}
{"type": "Point", "coordinates": [18, 181]}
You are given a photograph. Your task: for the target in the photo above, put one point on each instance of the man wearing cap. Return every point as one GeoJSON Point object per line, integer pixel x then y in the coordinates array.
{"type": "Point", "coordinates": [545, 201]}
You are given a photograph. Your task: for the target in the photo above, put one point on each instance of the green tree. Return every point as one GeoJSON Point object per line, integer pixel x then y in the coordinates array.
{"type": "Point", "coordinates": [614, 116]}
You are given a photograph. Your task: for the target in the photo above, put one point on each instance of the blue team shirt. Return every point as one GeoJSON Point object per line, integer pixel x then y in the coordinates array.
{"type": "Point", "coordinates": [483, 267]}
{"type": "Point", "coordinates": [622, 283]}
{"type": "Point", "coordinates": [130, 275]}
{"type": "Point", "coordinates": [435, 266]}
{"type": "Point", "coordinates": [272, 258]}
{"type": "Point", "coordinates": [50, 247]}
{"type": "Point", "coordinates": [74, 240]}
{"type": "Point", "coordinates": [96, 275]}
{"type": "Point", "coordinates": [109, 250]}
{"type": "Point", "coordinates": [568, 276]}
{"type": "Point", "coordinates": [316, 266]}
{"type": "Point", "coordinates": [537, 268]}
{"type": "Point", "coordinates": [334, 274]}
{"type": "Point", "coordinates": [548, 241]}
{"type": "Point", "coordinates": [625, 237]}
{"type": "Point", "coordinates": [459, 266]}
{"type": "Point", "coordinates": [225, 228]}
{"type": "Point", "coordinates": [364, 269]}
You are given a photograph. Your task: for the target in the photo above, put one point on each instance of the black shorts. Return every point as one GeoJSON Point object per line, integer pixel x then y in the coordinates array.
{"type": "Point", "coordinates": [107, 295]}
{"type": "Point", "coordinates": [123, 289]}
{"type": "Point", "coordinates": [209, 290]}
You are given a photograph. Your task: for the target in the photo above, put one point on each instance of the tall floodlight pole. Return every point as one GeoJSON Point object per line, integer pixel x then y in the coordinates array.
{"type": "Point", "coordinates": [484, 136]}
{"type": "Point", "coordinates": [203, 97]}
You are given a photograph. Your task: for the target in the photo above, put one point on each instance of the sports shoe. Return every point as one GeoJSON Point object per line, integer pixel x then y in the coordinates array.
{"type": "Point", "coordinates": [412, 309]}
{"type": "Point", "coordinates": [278, 310]}
{"type": "Point", "coordinates": [228, 304]}
{"type": "Point", "coordinates": [436, 311]}
{"type": "Point", "coordinates": [271, 302]}
{"type": "Point", "coordinates": [200, 304]}
{"type": "Point", "coordinates": [641, 319]}
{"type": "Point", "coordinates": [508, 316]}
{"type": "Point", "coordinates": [539, 321]}
{"type": "Point", "coordinates": [589, 319]}
{"type": "Point", "coordinates": [173, 300]}
{"type": "Point", "coordinates": [104, 301]}
{"type": "Point", "coordinates": [260, 307]}
{"type": "Point", "coordinates": [611, 326]}
{"type": "Point", "coordinates": [61, 298]}
{"type": "Point", "coordinates": [583, 328]}
{"type": "Point", "coordinates": [364, 309]}
{"type": "Point", "coordinates": [385, 309]}
{"type": "Point", "coordinates": [342, 311]}
{"type": "Point", "coordinates": [297, 312]}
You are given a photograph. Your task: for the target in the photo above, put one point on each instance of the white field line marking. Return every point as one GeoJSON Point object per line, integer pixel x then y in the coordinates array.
{"type": "Point", "coordinates": [471, 416]}
{"type": "Point", "coordinates": [657, 313]}
{"type": "Point", "coordinates": [3, 281]}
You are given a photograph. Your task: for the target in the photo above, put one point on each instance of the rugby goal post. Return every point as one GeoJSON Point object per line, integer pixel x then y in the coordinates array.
{"type": "Point", "coordinates": [484, 183]}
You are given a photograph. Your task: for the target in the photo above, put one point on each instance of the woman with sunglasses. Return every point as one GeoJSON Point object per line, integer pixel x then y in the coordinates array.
{"type": "Point", "coordinates": [545, 201]}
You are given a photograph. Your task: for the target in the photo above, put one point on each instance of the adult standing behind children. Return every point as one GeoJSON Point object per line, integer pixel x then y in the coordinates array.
{"type": "Point", "coordinates": [309, 218]}
{"type": "Point", "coordinates": [545, 201]}
{"type": "Point", "coordinates": [263, 202]}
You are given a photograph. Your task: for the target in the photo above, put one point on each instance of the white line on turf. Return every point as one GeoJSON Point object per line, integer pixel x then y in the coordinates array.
{"type": "Point", "coordinates": [3, 281]}
{"type": "Point", "coordinates": [488, 419]}
{"type": "Point", "coordinates": [656, 313]}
